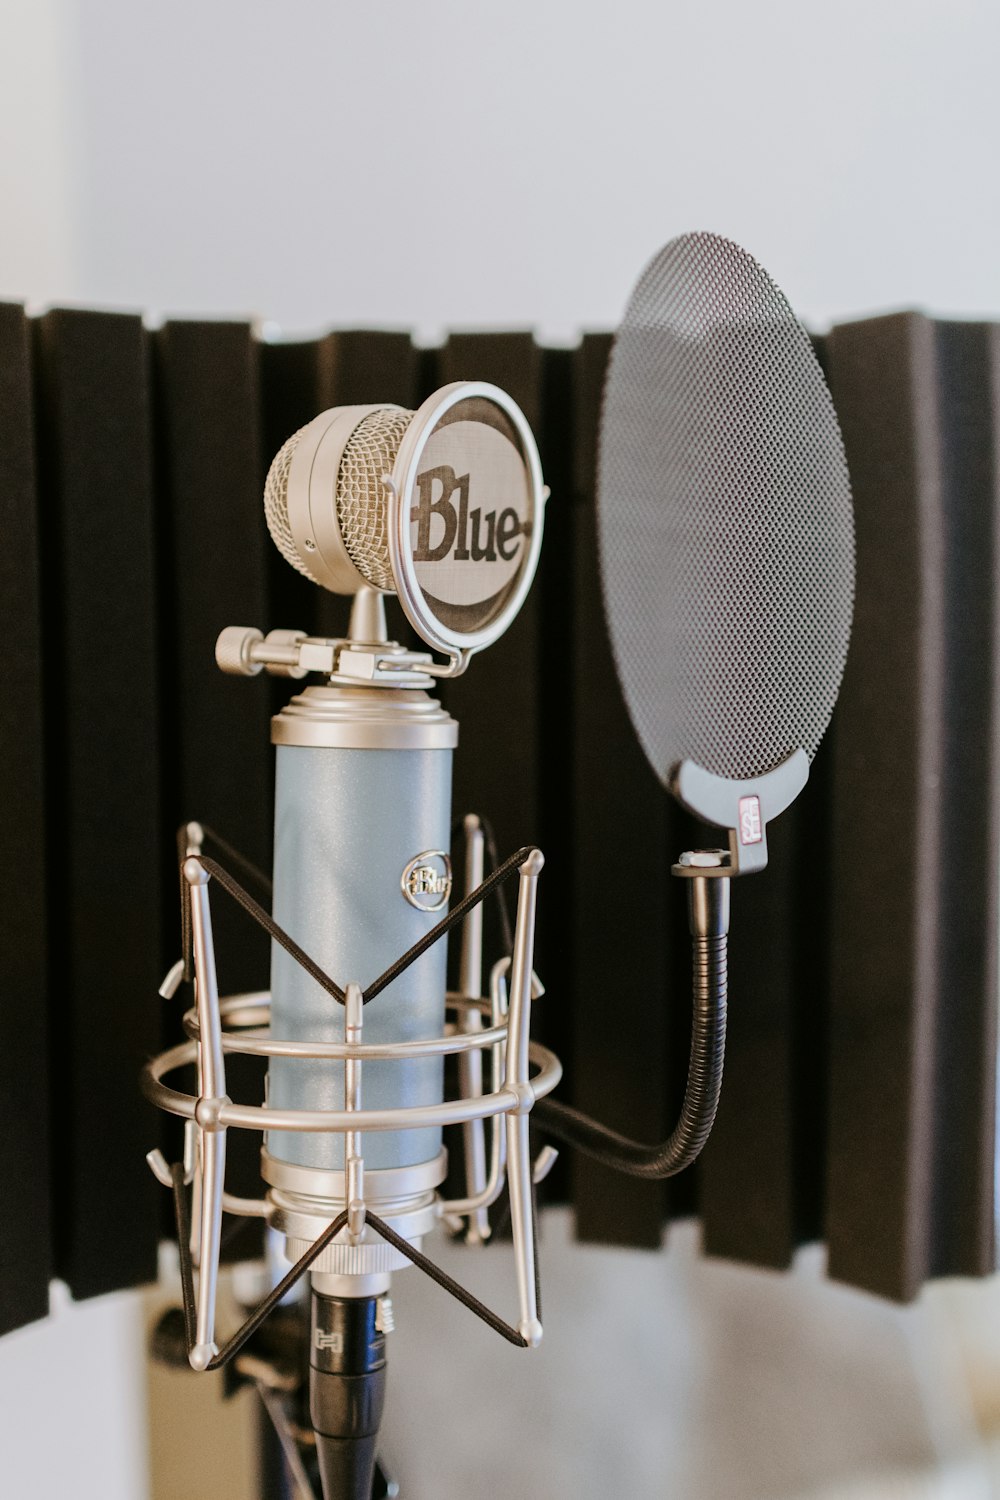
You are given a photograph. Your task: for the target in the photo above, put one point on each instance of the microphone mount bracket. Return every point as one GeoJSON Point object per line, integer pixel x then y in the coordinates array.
{"type": "Point", "coordinates": [522, 1070]}
{"type": "Point", "coordinates": [244, 651]}
{"type": "Point", "coordinates": [742, 808]}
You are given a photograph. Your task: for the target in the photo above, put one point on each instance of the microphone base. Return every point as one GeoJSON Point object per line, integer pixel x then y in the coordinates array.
{"type": "Point", "coordinates": [383, 1184]}
{"type": "Point", "coordinates": [303, 1200]}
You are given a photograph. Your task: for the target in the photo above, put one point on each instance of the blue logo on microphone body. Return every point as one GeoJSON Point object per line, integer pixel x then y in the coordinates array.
{"type": "Point", "coordinates": [426, 880]}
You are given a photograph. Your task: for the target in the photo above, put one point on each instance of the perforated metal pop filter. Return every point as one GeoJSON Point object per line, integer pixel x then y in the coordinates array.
{"type": "Point", "coordinates": [724, 515]}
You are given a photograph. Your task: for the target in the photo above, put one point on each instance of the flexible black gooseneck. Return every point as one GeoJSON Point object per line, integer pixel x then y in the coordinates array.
{"type": "Point", "coordinates": [708, 915]}
{"type": "Point", "coordinates": [708, 908]}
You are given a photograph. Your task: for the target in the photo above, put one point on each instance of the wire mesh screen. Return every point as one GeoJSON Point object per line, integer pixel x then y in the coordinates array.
{"type": "Point", "coordinates": [726, 530]}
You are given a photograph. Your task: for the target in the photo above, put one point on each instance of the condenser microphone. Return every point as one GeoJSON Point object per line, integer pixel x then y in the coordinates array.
{"type": "Point", "coordinates": [726, 539]}
{"type": "Point", "coordinates": [443, 508]}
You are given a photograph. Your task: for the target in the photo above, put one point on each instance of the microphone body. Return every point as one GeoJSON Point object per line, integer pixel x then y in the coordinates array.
{"type": "Point", "coordinates": [363, 789]}
{"type": "Point", "coordinates": [361, 872]}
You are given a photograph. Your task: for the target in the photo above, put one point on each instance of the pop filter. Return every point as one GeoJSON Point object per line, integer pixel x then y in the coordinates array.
{"type": "Point", "coordinates": [726, 536]}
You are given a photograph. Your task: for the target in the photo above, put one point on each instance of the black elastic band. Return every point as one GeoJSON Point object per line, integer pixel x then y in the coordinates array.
{"type": "Point", "coordinates": [501, 1223]}
{"type": "Point", "coordinates": [186, 939]}
{"type": "Point", "coordinates": [489, 838]}
{"type": "Point", "coordinates": [240, 860]}
{"type": "Point", "coordinates": [270, 1302]}
{"type": "Point", "coordinates": [284, 1286]}
{"type": "Point", "coordinates": [449, 1283]}
{"type": "Point", "coordinates": [183, 1217]}
{"type": "Point", "coordinates": [256, 1318]}
{"type": "Point", "coordinates": [456, 914]}
{"type": "Point", "coordinates": [233, 854]}
{"type": "Point", "coordinates": [263, 919]}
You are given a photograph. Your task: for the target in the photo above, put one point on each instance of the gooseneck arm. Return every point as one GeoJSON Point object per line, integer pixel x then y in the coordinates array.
{"type": "Point", "coordinates": [708, 911]}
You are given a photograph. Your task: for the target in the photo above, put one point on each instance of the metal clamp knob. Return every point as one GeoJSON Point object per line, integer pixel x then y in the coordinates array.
{"type": "Point", "coordinates": [233, 650]}
{"type": "Point", "coordinates": [243, 651]}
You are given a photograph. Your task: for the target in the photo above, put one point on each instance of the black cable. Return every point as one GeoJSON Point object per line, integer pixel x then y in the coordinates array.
{"type": "Point", "coordinates": [701, 1095]}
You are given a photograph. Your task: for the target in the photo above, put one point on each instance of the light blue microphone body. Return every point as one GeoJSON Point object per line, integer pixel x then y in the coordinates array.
{"type": "Point", "coordinates": [362, 826]}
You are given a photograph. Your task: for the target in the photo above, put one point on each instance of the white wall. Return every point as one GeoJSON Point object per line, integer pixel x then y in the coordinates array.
{"type": "Point", "coordinates": [38, 205]}
{"type": "Point", "coordinates": [436, 163]}
{"type": "Point", "coordinates": [73, 1403]}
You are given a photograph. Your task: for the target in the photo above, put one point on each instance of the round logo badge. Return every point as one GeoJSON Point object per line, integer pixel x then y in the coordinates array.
{"type": "Point", "coordinates": [467, 528]}
{"type": "Point", "coordinates": [473, 514]}
{"type": "Point", "coordinates": [426, 881]}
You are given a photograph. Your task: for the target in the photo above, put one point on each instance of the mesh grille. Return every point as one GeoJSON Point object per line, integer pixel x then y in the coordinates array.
{"type": "Point", "coordinates": [276, 505]}
{"type": "Point", "coordinates": [361, 498]}
{"type": "Point", "coordinates": [725, 522]}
